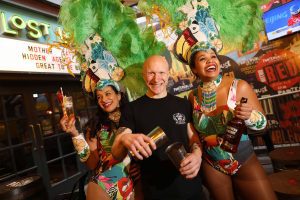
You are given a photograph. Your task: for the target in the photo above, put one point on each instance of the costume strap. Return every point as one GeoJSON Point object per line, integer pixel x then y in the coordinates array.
{"type": "Point", "coordinates": [232, 94]}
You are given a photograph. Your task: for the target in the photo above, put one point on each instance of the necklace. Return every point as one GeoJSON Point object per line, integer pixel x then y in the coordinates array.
{"type": "Point", "coordinates": [115, 116]}
{"type": "Point", "coordinates": [209, 94]}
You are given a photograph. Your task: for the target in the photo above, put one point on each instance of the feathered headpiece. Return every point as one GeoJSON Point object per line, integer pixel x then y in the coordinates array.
{"type": "Point", "coordinates": [110, 41]}
{"type": "Point", "coordinates": [113, 45]}
{"type": "Point", "coordinates": [223, 25]}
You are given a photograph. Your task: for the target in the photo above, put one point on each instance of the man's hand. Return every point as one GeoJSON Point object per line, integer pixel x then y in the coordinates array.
{"type": "Point", "coordinates": [138, 145]}
{"type": "Point", "coordinates": [190, 165]}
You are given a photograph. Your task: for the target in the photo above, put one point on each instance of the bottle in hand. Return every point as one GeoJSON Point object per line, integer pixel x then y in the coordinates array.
{"type": "Point", "coordinates": [234, 130]}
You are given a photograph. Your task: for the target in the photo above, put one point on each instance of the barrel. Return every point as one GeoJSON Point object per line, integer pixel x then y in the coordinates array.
{"type": "Point", "coordinates": [286, 184]}
{"type": "Point", "coordinates": [25, 188]}
{"type": "Point", "coordinates": [285, 158]}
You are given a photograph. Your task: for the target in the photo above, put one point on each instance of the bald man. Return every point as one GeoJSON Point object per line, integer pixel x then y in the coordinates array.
{"type": "Point", "coordinates": [160, 179]}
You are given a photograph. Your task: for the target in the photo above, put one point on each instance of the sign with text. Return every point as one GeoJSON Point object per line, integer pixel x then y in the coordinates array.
{"type": "Point", "coordinates": [23, 56]}
{"type": "Point", "coordinates": [272, 70]}
{"type": "Point", "coordinates": [279, 69]}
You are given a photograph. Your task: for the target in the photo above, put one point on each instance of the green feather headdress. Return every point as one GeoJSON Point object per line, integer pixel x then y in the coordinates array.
{"type": "Point", "coordinates": [120, 35]}
{"type": "Point", "coordinates": [226, 23]}
{"type": "Point", "coordinates": [238, 21]}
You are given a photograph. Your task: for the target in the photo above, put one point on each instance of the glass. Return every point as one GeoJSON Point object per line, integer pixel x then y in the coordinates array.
{"type": "Point", "coordinates": [42, 103]}
{"type": "Point", "coordinates": [18, 131]}
{"type": "Point", "coordinates": [23, 157]}
{"type": "Point", "coordinates": [56, 124]}
{"type": "Point", "coordinates": [68, 108]}
{"type": "Point", "coordinates": [1, 109]}
{"type": "Point", "coordinates": [6, 164]}
{"type": "Point", "coordinates": [176, 153]}
{"type": "Point", "coordinates": [71, 165]}
{"type": "Point", "coordinates": [55, 171]}
{"type": "Point", "coordinates": [51, 148]}
{"type": "Point", "coordinates": [55, 104]}
{"type": "Point", "coordinates": [46, 123]}
{"type": "Point", "coordinates": [3, 136]}
{"type": "Point", "coordinates": [14, 106]}
{"type": "Point", "coordinates": [66, 144]}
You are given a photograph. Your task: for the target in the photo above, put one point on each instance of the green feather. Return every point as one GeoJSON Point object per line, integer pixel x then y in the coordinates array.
{"type": "Point", "coordinates": [134, 81]}
{"type": "Point", "coordinates": [240, 21]}
{"type": "Point", "coordinates": [115, 23]}
{"type": "Point", "coordinates": [171, 7]}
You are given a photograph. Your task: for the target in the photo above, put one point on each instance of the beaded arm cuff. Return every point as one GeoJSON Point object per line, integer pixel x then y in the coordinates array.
{"type": "Point", "coordinates": [194, 146]}
{"type": "Point", "coordinates": [257, 121]}
{"type": "Point", "coordinates": [81, 147]}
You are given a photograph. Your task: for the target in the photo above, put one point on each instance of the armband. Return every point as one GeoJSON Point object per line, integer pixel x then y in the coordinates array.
{"type": "Point", "coordinates": [257, 121]}
{"type": "Point", "coordinates": [81, 146]}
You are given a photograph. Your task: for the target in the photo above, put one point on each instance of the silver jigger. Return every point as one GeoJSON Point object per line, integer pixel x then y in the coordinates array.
{"type": "Point", "coordinates": [158, 136]}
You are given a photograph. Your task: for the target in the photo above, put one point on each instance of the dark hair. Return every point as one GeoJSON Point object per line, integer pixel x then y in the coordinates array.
{"type": "Point", "coordinates": [192, 60]}
{"type": "Point", "coordinates": [101, 117]}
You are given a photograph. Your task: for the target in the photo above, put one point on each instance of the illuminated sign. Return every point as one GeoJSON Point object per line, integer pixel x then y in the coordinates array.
{"type": "Point", "coordinates": [15, 24]}
{"type": "Point", "coordinates": [23, 56]}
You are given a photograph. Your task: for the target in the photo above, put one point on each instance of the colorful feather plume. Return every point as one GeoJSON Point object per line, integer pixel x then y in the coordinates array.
{"type": "Point", "coordinates": [229, 24]}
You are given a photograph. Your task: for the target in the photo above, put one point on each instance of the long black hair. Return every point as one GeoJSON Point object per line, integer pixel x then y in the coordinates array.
{"type": "Point", "coordinates": [101, 117]}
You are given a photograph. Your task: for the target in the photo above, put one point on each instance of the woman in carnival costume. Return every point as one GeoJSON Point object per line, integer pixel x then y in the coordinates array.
{"type": "Point", "coordinates": [109, 43]}
{"type": "Point", "coordinates": [215, 102]}
{"type": "Point", "coordinates": [110, 178]}
{"type": "Point", "coordinates": [226, 175]}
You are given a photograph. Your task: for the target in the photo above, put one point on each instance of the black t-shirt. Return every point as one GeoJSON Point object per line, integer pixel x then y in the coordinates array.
{"type": "Point", "coordinates": [160, 178]}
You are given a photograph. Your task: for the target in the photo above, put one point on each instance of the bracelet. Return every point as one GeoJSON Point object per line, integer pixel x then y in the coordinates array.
{"type": "Point", "coordinates": [257, 121]}
{"type": "Point", "coordinates": [194, 146]}
{"type": "Point", "coordinates": [81, 147]}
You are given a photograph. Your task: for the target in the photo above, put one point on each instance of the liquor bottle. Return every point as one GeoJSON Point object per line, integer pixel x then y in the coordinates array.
{"type": "Point", "coordinates": [234, 130]}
